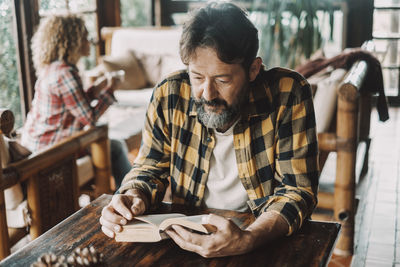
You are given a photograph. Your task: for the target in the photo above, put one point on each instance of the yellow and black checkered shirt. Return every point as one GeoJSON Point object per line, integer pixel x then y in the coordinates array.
{"type": "Point", "coordinates": [275, 145]}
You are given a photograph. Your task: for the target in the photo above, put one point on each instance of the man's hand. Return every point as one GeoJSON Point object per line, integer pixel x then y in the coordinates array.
{"type": "Point", "coordinates": [229, 239]}
{"type": "Point", "coordinates": [121, 209]}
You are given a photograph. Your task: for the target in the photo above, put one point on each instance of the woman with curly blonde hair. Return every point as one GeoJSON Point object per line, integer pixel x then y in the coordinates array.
{"type": "Point", "coordinates": [61, 107]}
{"type": "Point", "coordinates": [60, 38]}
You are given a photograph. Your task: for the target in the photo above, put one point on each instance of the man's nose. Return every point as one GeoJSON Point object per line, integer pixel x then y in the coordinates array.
{"type": "Point", "coordinates": [209, 92]}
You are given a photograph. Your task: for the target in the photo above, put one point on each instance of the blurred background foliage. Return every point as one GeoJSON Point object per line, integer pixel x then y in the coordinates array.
{"type": "Point", "coordinates": [135, 12]}
{"type": "Point", "coordinates": [9, 83]}
{"type": "Point", "coordinates": [290, 31]}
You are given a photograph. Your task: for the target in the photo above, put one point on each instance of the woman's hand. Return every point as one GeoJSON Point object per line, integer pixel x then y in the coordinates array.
{"type": "Point", "coordinates": [115, 78]}
{"type": "Point", "coordinates": [98, 85]}
{"type": "Point", "coordinates": [110, 81]}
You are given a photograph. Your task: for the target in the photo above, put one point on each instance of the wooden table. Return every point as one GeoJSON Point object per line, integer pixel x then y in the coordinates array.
{"type": "Point", "coordinates": [311, 246]}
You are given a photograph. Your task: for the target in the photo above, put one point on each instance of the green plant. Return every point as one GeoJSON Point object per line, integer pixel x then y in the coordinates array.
{"type": "Point", "coordinates": [135, 12]}
{"type": "Point", "coordinates": [289, 29]}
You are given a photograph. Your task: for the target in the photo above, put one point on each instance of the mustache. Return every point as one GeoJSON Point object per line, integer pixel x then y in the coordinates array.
{"type": "Point", "coordinates": [213, 103]}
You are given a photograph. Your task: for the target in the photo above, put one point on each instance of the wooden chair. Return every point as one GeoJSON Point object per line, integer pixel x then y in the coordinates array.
{"type": "Point", "coordinates": [51, 181]}
{"type": "Point", "coordinates": [351, 131]}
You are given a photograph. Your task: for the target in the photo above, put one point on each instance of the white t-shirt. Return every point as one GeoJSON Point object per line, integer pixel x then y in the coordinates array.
{"type": "Point", "coordinates": [224, 190]}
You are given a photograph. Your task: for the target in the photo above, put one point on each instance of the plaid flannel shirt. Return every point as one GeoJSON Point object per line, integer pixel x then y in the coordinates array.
{"type": "Point", "coordinates": [60, 107]}
{"type": "Point", "coordinates": [274, 141]}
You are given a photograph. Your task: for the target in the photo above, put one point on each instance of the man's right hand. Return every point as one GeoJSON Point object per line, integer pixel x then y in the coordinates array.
{"type": "Point", "coordinates": [121, 209]}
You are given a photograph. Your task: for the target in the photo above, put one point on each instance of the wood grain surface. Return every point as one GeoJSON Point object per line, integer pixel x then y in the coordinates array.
{"type": "Point", "coordinates": [310, 246]}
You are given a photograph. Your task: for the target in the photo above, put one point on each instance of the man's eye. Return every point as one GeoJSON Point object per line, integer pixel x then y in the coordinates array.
{"type": "Point", "coordinates": [222, 81]}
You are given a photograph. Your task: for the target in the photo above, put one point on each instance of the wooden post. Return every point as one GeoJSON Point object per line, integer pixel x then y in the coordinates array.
{"type": "Point", "coordinates": [75, 186]}
{"type": "Point", "coordinates": [108, 14]}
{"type": "Point", "coordinates": [26, 17]}
{"type": "Point", "coordinates": [4, 238]}
{"type": "Point", "coordinates": [102, 166]}
{"type": "Point", "coordinates": [344, 196]}
{"type": "Point", "coordinates": [6, 126]}
{"type": "Point", "coordinates": [34, 207]}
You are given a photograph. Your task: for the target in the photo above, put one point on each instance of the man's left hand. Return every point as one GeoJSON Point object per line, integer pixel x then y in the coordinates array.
{"type": "Point", "coordinates": [228, 240]}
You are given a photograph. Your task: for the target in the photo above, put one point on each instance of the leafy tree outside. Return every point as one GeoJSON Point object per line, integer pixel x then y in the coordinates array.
{"type": "Point", "coordinates": [9, 82]}
{"type": "Point", "coordinates": [135, 12]}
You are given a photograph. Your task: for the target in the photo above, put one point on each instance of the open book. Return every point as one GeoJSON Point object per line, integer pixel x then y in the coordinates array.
{"type": "Point", "coordinates": [150, 228]}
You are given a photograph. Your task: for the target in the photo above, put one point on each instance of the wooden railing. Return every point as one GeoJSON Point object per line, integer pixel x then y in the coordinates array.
{"type": "Point", "coordinates": [51, 180]}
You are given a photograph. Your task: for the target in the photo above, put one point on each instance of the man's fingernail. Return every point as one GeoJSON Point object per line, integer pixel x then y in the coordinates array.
{"type": "Point", "coordinates": [123, 221]}
{"type": "Point", "coordinates": [117, 228]}
{"type": "Point", "coordinates": [128, 216]}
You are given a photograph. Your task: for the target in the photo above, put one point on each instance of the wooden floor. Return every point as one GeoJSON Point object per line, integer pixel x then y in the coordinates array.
{"type": "Point", "coordinates": [377, 237]}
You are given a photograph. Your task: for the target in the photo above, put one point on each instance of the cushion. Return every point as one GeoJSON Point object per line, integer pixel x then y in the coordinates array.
{"type": "Point", "coordinates": [325, 99]}
{"type": "Point", "coordinates": [171, 64]}
{"type": "Point", "coordinates": [19, 217]}
{"type": "Point", "coordinates": [152, 65]}
{"type": "Point", "coordinates": [13, 196]}
{"type": "Point", "coordinates": [158, 66]}
{"type": "Point", "coordinates": [85, 169]}
{"type": "Point", "coordinates": [151, 40]}
{"type": "Point", "coordinates": [134, 75]}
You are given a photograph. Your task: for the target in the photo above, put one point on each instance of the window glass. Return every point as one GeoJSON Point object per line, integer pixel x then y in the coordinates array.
{"type": "Point", "coordinates": [135, 12]}
{"type": "Point", "coordinates": [9, 82]}
{"type": "Point", "coordinates": [82, 5]}
{"type": "Point", "coordinates": [291, 32]}
{"type": "Point", "coordinates": [386, 29]}
{"type": "Point", "coordinates": [52, 5]}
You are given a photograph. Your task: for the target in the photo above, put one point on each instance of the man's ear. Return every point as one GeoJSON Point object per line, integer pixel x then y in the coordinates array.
{"type": "Point", "coordinates": [255, 68]}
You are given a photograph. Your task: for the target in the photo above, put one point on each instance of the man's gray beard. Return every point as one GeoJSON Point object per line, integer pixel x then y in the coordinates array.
{"type": "Point", "coordinates": [214, 120]}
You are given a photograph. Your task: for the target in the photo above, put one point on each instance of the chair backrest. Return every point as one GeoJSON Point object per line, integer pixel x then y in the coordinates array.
{"type": "Point", "coordinates": [51, 180]}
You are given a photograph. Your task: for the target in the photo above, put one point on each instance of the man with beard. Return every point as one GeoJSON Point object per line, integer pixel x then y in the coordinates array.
{"type": "Point", "coordinates": [230, 135]}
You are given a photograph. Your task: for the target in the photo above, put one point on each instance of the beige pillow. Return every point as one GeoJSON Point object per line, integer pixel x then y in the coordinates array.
{"type": "Point", "coordinates": [171, 64]}
{"type": "Point", "coordinates": [13, 195]}
{"type": "Point", "coordinates": [134, 75]}
{"type": "Point", "coordinates": [152, 66]}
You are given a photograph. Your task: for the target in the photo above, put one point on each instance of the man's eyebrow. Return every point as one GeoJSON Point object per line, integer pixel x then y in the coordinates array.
{"type": "Point", "coordinates": [195, 72]}
{"type": "Point", "coordinates": [215, 76]}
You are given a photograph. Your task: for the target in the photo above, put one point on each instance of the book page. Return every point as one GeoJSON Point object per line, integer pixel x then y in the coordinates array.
{"type": "Point", "coordinates": [145, 228]}
{"type": "Point", "coordinates": [191, 222]}
{"type": "Point", "coordinates": [157, 219]}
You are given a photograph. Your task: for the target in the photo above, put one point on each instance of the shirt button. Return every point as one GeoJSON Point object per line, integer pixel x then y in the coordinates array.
{"type": "Point", "coordinates": [209, 139]}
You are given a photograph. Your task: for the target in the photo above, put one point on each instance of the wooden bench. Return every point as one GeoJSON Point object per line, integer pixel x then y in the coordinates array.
{"type": "Point", "coordinates": [350, 134]}
{"type": "Point", "coordinates": [51, 181]}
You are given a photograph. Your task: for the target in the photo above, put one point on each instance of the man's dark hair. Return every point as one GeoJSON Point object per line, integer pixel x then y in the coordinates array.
{"type": "Point", "coordinates": [224, 27]}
